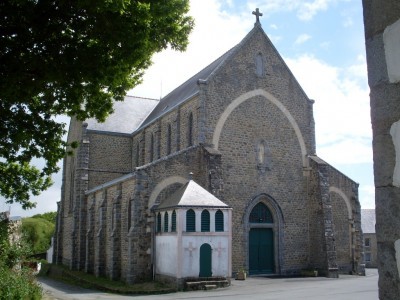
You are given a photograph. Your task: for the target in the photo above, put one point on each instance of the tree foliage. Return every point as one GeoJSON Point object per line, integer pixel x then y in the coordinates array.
{"type": "Point", "coordinates": [37, 233]}
{"type": "Point", "coordinates": [72, 58]}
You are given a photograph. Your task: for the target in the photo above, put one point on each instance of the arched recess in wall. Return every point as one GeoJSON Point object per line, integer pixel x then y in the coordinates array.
{"type": "Point", "coordinates": [333, 189]}
{"type": "Point", "coordinates": [276, 226]}
{"type": "Point", "coordinates": [247, 96]}
{"type": "Point", "coordinates": [162, 185]}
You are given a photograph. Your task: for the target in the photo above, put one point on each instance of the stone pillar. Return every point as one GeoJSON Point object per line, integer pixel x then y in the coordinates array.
{"type": "Point", "coordinates": [329, 247]}
{"type": "Point", "coordinates": [115, 238]}
{"type": "Point", "coordinates": [382, 40]}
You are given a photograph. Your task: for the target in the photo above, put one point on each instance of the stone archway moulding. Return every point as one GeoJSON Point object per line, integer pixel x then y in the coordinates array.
{"type": "Point", "coordinates": [162, 185]}
{"type": "Point", "coordinates": [246, 96]}
{"type": "Point", "coordinates": [345, 198]}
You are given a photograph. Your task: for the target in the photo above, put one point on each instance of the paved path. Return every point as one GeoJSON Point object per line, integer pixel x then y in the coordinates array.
{"type": "Point", "coordinates": [255, 288]}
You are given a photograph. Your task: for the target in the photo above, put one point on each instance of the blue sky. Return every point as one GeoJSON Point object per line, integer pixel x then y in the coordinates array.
{"type": "Point", "coordinates": [322, 41]}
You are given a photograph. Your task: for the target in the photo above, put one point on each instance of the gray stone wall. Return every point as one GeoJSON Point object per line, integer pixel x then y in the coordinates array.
{"type": "Point", "coordinates": [110, 157]}
{"type": "Point", "coordinates": [385, 111]}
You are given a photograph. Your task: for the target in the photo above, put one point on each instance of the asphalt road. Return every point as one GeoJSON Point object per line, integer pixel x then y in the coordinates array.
{"type": "Point", "coordinates": [255, 288]}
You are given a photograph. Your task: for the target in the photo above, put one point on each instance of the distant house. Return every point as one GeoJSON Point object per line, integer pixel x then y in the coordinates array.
{"type": "Point", "coordinates": [13, 224]}
{"type": "Point", "coordinates": [369, 237]}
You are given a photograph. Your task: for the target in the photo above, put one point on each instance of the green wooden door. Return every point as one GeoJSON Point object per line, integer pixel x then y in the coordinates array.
{"type": "Point", "coordinates": [205, 261]}
{"type": "Point", "coordinates": [261, 251]}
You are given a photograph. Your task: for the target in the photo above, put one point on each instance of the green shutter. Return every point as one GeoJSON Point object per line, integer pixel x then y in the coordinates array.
{"type": "Point", "coordinates": [190, 221]}
{"type": "Point", "coordinates": [205, 221]}
{"type": "Point", "coordinates": [159, 222]}
{"type": "Point", "coordinates": [173, 222]}
{"type": "Point", "coordinates": [166, 222]}
{"type": "Point", "coordinates": [219, 221]}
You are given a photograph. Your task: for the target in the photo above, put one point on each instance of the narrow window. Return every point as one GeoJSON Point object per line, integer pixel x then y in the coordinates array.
{"type": "Point", "coordinates": [159, 222]}
{"type": "Point", "coordinates": [130, 206]}
{"type": "Point", "coordinates": [190, 130]}
{"type": "Point", "coordinates": [169, 133]}
{"type": "Point", "coordinates": [367, 256]}
{"type": "Point", "coordinates": [367, 242]}
{"type": "Point", "coordinates": [166, 222]}
{"type": "Point", "coordinates": [137, 154]}
{"type": "Point", "coordinates": [205, 221]}
{"type": "Point", "coordinates": [219, 221]}
{"type": "Point", "coordinates": [173, 221]}
{"type": "Point", "coordinates": [190, 221]}
{"type": "Point", "coordinates": [151, 147]}
{"type": "Point", "coordinates": [259, 65]}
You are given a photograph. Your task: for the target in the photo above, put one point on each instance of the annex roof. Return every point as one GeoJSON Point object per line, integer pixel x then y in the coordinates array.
{"type": "Point", "coordinates": [368, 220]}
{"type": "Point", "coordinates": [127, 115]}
{"type": "Point", "coordinates": [192, 194]}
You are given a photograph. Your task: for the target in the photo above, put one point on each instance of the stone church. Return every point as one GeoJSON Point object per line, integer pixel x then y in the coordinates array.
{"type": "Point", "coordinates": [240, 132]}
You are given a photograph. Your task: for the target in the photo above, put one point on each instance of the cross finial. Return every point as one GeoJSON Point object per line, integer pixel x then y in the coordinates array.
{"type": "Point", "coordinates": [257, 14]}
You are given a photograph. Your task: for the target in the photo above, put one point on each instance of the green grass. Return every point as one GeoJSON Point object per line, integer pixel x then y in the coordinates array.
{"type": "Point", "coordinates": [89, 281]}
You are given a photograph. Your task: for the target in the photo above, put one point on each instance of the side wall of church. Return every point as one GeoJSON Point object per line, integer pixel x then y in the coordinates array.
{"type": "Point", "coordinates": [110, 156]}
{"type": "Point", "coordinates": [63, 244]}
{"type": "Point", "coordinates": [119, 235]}
{"type": "Point", "coordinates": [170, 133]}
{"type": "Point", "coordinates": [346, 212]}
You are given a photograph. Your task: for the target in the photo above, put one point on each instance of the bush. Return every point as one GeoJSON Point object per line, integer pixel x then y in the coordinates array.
{"type": "Point", "coordinates": [37, 232]}
{"type": "Point", "coordinates": [16, 282]}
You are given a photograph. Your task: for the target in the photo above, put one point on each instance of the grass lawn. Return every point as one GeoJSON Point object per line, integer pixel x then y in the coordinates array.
{"type": "Point", "coordinates": [89, 281]}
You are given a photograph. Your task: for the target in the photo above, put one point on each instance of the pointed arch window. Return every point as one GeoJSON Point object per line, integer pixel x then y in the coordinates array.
{"type": "Point", "coordinates": [151, 147]}
{"type": "Point", "coordinates": [173, 221]}
{"type": "Point", "coordinates": [190, 130]}
{"type": "Point", "coordinates": [219, 221]}
{"type": "Point", "coordinates": [205, 221]}
{"type": "Point", "coordinates": [190, 221]}
{"type": "Point", "coordinates": [259, 65]}
{"type": "Point", "coordinates": [169, 139]}
{"type": "Point", "coordinates": [137, 154]}
{"type": "Point", "coordinates": [260, 214]}
{"type": "Point", "coordinates": [159, 222]}
{"type": "Point", "coordinates": [166, 222]}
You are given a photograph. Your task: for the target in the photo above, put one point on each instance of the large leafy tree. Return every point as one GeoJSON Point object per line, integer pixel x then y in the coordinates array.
{"type": "Point", "coordinates": [73, 58]}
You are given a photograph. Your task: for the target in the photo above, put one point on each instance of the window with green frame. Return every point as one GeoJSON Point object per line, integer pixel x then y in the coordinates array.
{"type": "Point", "coordinates": [190, 221]}
{"type": "Point", "coordinates": [159, 222]}
{"type": "Point", "coordinates": [219, 221]}
{"type": "Point", "coordinates": [173, 221]}
{"type": "Point", "coordinates": [205, 221]}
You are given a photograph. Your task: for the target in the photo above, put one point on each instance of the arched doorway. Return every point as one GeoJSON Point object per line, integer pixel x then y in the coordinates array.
{"type": "Point", "coordinates": [205, 261]}
{"type": "Point", "coordinates": [261, 240]}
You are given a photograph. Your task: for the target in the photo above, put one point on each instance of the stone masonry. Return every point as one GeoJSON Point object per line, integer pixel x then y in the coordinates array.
{"type": "Point", "coordinates": [382, 40]}
{"type": "Point", "coordinates": [244, 128]}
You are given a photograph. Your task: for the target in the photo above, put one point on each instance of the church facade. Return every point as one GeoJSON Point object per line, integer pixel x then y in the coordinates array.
{"type": "Point", "coordinates": [244, 128]}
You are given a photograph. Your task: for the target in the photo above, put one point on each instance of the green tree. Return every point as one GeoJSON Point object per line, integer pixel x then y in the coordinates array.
{"type": "Point", "coordinates": [73, 58]}
{"type": "Point", "coordinates": [49, 216]}
{"type": "Point", "coordinates": [37, 232]}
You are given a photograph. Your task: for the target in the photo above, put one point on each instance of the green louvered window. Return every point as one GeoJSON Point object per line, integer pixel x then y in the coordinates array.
{"type": "Point", "coordinates": [260, 214]}
{"type": "Point", "coordinates": [205, 221]}
{"type": "Point", "coordinates": [173, 222]}
{"type": "Point", "coordinates": [159, 222]}
{"type": "Point", "coordinates": [166, 222]}
{"type": "Point", "coordinates": [190, 221]}
{"type": "Point", "coordinates": [219, 221]}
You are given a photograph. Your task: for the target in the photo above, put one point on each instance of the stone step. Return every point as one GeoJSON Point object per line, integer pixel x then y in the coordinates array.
{"type": "Point", "coordinates": [210, 286]}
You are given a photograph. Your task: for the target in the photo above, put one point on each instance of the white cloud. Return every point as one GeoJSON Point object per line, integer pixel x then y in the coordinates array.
{"type": "Point", "coordinates": [302, 38]}
{"type": "Point", "coordinates": [305, 10]}
{"type": "Point", "coordinates": [367, 196]}
{"type": "Point", "coordinates": [341, 109]}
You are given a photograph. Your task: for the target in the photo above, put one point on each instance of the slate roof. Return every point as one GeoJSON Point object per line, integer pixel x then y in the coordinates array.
{"type": "Point", "coordinates": [184, 92]}
{"type": "Point", "coordinates": [368, 220]}
{"type": "Point", "coordinates": [192, 194]}
{"type": "Point", "coordinates": [127, 115]}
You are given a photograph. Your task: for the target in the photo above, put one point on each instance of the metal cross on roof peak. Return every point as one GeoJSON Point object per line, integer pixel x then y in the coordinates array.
{"type": "Point", "coordinates": [257, 14]}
